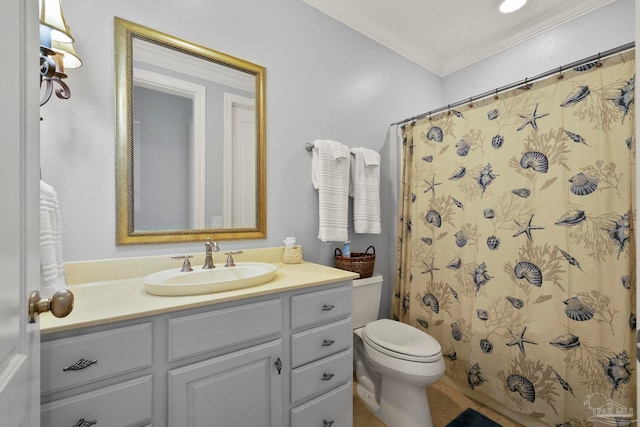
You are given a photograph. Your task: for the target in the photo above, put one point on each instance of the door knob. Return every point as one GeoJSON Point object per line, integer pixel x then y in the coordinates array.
{"type": "Point", "coordinates": [60, 304]}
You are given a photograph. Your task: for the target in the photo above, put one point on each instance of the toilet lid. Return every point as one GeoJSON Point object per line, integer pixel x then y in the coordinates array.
{"type": "Point", "coordinates": [402, 340]}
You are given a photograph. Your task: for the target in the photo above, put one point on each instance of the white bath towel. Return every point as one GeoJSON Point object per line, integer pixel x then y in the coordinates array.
{"type": "Point", "coordinates": [365, 189]}
{"type": "Point", "coordinates": [330, 176]}
{"type": "Point", "coordinates": [52, 277]}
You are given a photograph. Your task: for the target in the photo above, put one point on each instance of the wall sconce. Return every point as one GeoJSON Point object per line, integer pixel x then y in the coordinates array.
{"type": "Point", "coordinates": [56, 51]}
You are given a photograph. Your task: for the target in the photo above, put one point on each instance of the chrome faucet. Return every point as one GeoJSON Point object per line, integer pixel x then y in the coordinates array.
{"type": "Point", "coordinates": [210, 248]}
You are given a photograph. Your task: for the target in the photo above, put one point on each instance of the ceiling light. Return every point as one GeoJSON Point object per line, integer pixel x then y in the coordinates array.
{"type": "Point", "coordinates": [508, 6]}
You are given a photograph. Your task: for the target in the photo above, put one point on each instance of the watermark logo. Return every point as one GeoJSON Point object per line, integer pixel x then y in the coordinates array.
{"type": "Point", "coordinates": [609, 412]}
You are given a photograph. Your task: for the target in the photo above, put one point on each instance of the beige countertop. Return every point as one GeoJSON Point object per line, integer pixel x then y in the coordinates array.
{"type": "Point", "coordinates": [109, 291]}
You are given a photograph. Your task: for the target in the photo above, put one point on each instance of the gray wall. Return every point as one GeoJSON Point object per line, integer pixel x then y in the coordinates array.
{"type": "Point", "coordinates": [324, 81]}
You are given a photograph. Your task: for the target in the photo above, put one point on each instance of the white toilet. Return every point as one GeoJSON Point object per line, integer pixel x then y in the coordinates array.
{"type": "Point", "coordinates": [394, 362]}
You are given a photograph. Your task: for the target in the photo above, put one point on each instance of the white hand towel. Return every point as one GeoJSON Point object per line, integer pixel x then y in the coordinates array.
{"type": "Point", "coordinates": [365, 189]}
{"type": "Point", "coordinates": [330, 176]}
{"type": "Point", "coordinates": [52, 277]}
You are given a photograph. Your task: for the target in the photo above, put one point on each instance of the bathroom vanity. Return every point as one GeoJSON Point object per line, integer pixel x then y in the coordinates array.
{"type": "Point", "coordinates": [278, 354]}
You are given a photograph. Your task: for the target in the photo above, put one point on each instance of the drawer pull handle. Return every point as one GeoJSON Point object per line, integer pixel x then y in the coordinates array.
{"type": "Point", "coordinates": [327, 423]}
{"type": "Point", "coordinates": [327, 343]}
{"type": "Point", "coordinates": [327, 377]}
{"type": "Point", "coordinates": [279, 366]}
{"type": "Point", "coordinates": [328, 307]}
{"type": "Point", "coordinates": [83, 423]}
{"type": "Point", "coordinates": [79, 365]}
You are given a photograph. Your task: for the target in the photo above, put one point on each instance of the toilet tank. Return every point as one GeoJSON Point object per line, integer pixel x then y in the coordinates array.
{"type": "Point", "coordinates": [366, 300]}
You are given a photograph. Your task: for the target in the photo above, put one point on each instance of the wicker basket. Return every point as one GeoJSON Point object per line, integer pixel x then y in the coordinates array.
{"type": "Point", "coordinates": [360, 262]}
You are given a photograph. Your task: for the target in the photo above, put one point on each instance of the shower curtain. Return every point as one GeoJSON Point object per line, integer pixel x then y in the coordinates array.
{"type": "Point", "coordinates": [515, 243]}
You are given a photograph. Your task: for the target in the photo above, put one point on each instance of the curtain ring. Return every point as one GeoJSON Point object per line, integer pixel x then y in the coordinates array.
{"type": "Point", "coordinates": [449, 109]}
{"type": "Point", "coordinates": [599, 63]}
{"type": "Point", "coordinates": [496, 95]}
{"type": "Point", "coordinates": [560, 75]}
{"type": "Point", "coordinates": [526, 83]}
{"type": "Point", "coordinates": [471, 102]}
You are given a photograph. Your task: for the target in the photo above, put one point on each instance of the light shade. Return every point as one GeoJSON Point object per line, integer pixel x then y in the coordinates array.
{"type": "Point", "coordinates": [51, 15]}
{"type": "Point", "coordinates": [70, 58]}
{"type": "Point", "coordinates": [508, 6]}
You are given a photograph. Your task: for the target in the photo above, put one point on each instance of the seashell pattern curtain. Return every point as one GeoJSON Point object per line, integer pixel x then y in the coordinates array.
{"type": "Point", "coordinates": [516, 248]}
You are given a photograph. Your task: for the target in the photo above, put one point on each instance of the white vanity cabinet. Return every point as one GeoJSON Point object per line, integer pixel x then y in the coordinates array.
{"type": "Point", "coordinates": [277, 360]}
{"type": "Point", "coordinates": [76, 363]}
{"type": "Point", "coordinates": [238, 388]}
{"type": "Point", "coordinates": [321, 358]}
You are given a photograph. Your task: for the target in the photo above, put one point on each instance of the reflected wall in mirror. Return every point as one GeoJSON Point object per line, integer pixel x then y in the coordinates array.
{"type": "Point", "coordinates": [190, 140]}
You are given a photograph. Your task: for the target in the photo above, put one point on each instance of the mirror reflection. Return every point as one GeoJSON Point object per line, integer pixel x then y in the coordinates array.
{"type": "Point", "coordinates": [190, 147]}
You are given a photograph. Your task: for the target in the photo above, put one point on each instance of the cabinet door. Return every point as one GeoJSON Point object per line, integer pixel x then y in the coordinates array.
{"type": "Point", "coordinates": [105, 354]}
{"type": "Point", "coordinates": [240, 389]}
{"type": "Point", "coordinates": [321, 306]}
{"type": "Point", "coordinates": [314, 344]}
{"type": "Point", "coordinates": [334, 409]}
{"type": "Point", "coordinates": [123, 404]}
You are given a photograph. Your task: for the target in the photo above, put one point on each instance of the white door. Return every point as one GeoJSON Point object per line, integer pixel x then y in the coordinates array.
{"type": "Point", "coordinates": [244, 165]}
{"type": "Point", "coordinates": [239, 168]}
{"type": "Point", "coordinates": [19, 214]}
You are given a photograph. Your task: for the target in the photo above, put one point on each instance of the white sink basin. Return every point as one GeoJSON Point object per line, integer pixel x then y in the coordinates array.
{"type": "Point", "coordinates": [220, 279]}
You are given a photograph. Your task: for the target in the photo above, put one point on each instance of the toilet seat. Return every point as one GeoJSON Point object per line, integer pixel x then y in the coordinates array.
{"type": "Point", "coordinates": [401, 341]}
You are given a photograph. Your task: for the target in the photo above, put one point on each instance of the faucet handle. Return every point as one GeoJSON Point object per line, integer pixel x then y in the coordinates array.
{"type": "Point", "coordinates": [230, 262]}
{"type": "Point", "coordinates": [186, 265]}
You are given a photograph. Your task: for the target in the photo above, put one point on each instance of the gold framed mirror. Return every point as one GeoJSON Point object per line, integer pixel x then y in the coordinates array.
{"type": "Point", "coordinates": [190, 141]}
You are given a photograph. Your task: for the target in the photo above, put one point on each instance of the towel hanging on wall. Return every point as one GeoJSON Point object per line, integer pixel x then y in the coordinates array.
{"type": "Point", "coordinates": [52, 277]}
{"type": "Point", "coordinates": [330, 176]}
{"type": "Point", "coordinates": [365, 190]}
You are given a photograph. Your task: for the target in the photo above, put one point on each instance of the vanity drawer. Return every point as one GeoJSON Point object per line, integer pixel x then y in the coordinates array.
{"type": "Point", "coordinates": [214, 330]}
{"type": "Point", "coordinates": [321, 306]}
{"type": "Point", "coordinates": [316, 343]}
{"type": "Point", "coordinates": [124, 404]}
{"type": "Point", "coordinates": [81, 359]}
{"type": "Point", "coordinates": [321, 376]}
{"type": "Point", "coordinates": [333, 409]}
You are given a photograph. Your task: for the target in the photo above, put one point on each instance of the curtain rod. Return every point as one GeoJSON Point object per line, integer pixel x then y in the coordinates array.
{"type": "Point", "coordinates": [525, 82]}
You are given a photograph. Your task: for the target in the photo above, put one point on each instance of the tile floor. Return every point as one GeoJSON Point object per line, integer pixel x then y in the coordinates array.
{"type": "Point", "coordinates": [445, 402]}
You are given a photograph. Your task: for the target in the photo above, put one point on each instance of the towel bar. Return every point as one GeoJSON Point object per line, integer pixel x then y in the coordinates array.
{"type": "Point", "coordinates": [309, 147]}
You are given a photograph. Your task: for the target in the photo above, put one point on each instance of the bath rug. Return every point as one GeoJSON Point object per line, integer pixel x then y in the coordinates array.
{"type": "Point", "coordinates": [472, 418]}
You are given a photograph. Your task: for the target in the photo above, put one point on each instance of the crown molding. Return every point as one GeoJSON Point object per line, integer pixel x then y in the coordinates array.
{"type": "Point", "coordinates": [345, 12]}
